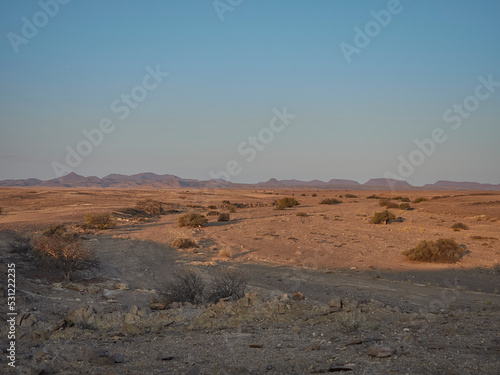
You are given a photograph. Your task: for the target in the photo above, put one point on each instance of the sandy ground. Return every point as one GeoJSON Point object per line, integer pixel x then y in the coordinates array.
{"type": "Point", "coordinates": [333, 252]}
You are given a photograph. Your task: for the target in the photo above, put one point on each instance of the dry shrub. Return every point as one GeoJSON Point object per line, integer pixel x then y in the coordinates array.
{"type": "Point", "coordinates": [64, 251]}
{"type": "Point", "coordinates": [383, 217]}
{"type": "Point", "coordinates": [231, 208]}
{"type": "Point", "coordinates": [418, 200]}
{"type": "Point", "coordinates": [99, 221]}
{"type": "Point", "coordinates": [350, 196]}
{"type": "Point", "coordinates": [287, 202]}
{"type": "Point", "coordinates": [192, 220]}
{"type": "Point", "coordinates": [223, 217]}
{"type": "Point", "coordinates": [21, 244]}
{"type": "Point", "coordinates": [330, 201]}
{"type": "Point", "coordinates": [388, 204]}
{"type": "Point", "coordinates": [187, 286]}
{"type": "Point", "coordinates": [150, 207]}
{"type": "Point", "coordinates": [213, 213]}
{"type": "Point", "coordinates": [442, 250]}
{"type": "Point", "coordinates": [460, 226]}
{"type": "Point", "coordinates": [405, 206]}
{"type": "Point", "coordinates": [184, 243]}
{"type": "Point", "coordinates": [231, 284]}
{"type": "Point", "coordinates": [226, 252]}
{"type": "Point", "coordinates": [301, 213]}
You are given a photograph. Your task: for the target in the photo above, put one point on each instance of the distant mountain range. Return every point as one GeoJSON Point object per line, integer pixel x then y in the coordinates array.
{"type": "Point", "coordinates": [167, 181]}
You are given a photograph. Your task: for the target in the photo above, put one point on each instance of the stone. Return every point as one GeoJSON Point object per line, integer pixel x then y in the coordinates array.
{"type": "Point", "coordinates": [158, 306]}
{"type": "Point", "coordinates": [134, 310]}
{"type": "Point", "coordinates": [297, 296]}
{"type": "Point", "coordinates": [130, 330]}
{"type": "Point", "coordinates": [80, 315]}
{"type": "Point", "coordinates": [165, 357]}
{"type": "Point", "coordinates": [119, 358]}
{"type": "Point", "coordinates": [380, 351]}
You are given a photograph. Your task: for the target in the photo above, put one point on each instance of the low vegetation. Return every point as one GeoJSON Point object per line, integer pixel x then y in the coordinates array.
{"type": "Point", "coordinates": [459, 226]}
{"type": "Point", "coordinates": [59, 248]}
{"type": "Point", "coordinates": [418, 200]}
{"type": "Point", "coordinates": [184, 243]}
{"type": "Point", "coordinates": [226, 252]}
{"type": "Point", "coordinates": [150, 207]}
{"type": "Point", "coordinates": [189, 286]}
{"type": "Point", "coordinates": [223, 217]}
{"type": "Point", "coordinates": [383, 217]}
{"type": "Point", "coordinates": [388, 204]}
{"type": "Point", "coordinates": [21, 244]}
{"type": "Point", "coordinates": [192, 220]}
{"type": "Point", "coordinates": [286, 202]}
{"type": "Point", "coordinates": [405, 206]}
{"type": "Point", "coordinates": [350, 196]}
{"type": "Point", "coordinates": [301, 213]}
{"type": "Point", "coordinates": [213, 213]}
{"type": "Point", "coordinates": [442, 250]}
{"type": "Point", "coordinates": [330, 201]}
{"type": "Point", "coordinates": [98, 221]}
{"type": "Point", "coordinates": [231, 284]}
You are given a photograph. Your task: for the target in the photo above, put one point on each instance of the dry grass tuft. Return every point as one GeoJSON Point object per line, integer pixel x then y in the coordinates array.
{"type": "Point", "coordinates": [382, 217]}
{"type": "Point", "coordinates": [330, 201]}
{"type": "Point", "coordinates": [226, 252]}
{"type": "Point", "coordinates": [460, 226]}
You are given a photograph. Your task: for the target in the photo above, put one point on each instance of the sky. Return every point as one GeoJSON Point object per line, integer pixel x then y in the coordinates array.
{"type": "Point", "coordinates": [248, 90]}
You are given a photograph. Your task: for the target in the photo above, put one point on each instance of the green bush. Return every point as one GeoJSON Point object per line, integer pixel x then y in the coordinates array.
{"type": "Point", "coordinates": [288, 202]}
{"type": "Point", "coordinates": [99, 221]}
{"type": "Point", "coordinates": [404, 206]}
{"type": "Point", "coordinates": [192, 220]}
{"type": "Point", "coordinates": [223, 217]}
{"type": "Point", "coordinates": [442, 250]}
{"type": "Point", "coordinates": [418, 200]}
{"type": "Point", "coordinates": [330, 201]}
{"type": "Point", "coordinates": [383, 217]}
{"type": "Point", "coordinates": [184, 243]}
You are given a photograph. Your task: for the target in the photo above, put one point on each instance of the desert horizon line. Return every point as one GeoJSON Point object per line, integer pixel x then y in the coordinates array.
{"type": "Point", "coordinates": [380, 181]}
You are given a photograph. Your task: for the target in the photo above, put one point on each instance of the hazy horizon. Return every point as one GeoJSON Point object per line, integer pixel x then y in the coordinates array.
{"type": "Point", "coordinates": [251, 91]}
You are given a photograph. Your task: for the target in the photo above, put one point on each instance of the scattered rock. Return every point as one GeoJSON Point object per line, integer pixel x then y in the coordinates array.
{"type": "Point", "coordinates": [380, 351]}
{"type": "Point", "coordinates": [297, 296]}
{"type": "Point", "coordinates": [165, 357]}
{"type": "Point", "coordinates": [158, 306]}
{"type": "Point", "coordinates": [119, 358]}
{"type": "Point", "coordinates": [130, 329]}
{"type": "Point", "coordinates": [81, 315]}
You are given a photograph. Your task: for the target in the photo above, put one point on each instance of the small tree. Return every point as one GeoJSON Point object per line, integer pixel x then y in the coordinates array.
{"type": "Point", "coordinates": [65, 252]}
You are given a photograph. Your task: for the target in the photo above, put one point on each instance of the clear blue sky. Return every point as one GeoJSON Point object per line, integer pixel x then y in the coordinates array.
{"type": "Point", "coordinates": [353, 119]}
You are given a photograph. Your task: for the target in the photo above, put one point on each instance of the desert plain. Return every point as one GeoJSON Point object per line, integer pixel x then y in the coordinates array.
{"type": "Point", "coordinates": [327, 291]}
